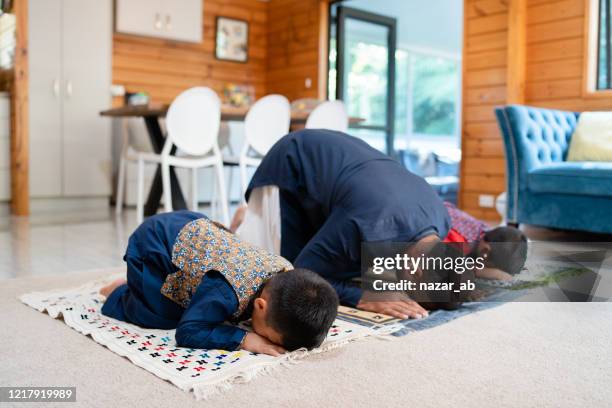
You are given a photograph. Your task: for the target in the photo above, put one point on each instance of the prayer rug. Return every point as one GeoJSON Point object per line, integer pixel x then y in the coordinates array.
{"type": "Point", "coordinates": [205, 372]}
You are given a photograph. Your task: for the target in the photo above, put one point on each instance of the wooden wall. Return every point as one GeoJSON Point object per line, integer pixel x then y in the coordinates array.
{"type": "Point", "coordinates": [165, 68]}
{"type": "Point", "coordinates": [556, 51]}
{"type": "Point", "coordinates": [297, 48]}
{"type": "Point", "coordinates": [20, 137]}
{"type": "Point", "coordinates": [484, 86]}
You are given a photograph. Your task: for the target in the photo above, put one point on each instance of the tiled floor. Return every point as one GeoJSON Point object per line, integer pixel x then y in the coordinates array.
{"type": "Point", "coordinates": [51, 243]}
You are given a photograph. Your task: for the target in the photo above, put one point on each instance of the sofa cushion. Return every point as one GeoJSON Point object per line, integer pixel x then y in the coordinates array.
{"type": "Point", "coordinates": [592, 138]}
{"type": "Point", "coordinates": [585, 178]}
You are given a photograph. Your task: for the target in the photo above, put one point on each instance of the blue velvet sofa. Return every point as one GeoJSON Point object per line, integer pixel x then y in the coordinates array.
{"type": "Point", "coordinates": [543, 188]}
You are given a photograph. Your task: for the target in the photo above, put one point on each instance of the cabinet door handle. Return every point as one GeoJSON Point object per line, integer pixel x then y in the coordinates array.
{"type": "Point", "coordinates": [56, 87]}
{"type": "Point", "coordinates": [68, 88]}
{"type": "Point", "coordinates": [158, 22]}
{"type": "Point", "coordinates": [168, 23]}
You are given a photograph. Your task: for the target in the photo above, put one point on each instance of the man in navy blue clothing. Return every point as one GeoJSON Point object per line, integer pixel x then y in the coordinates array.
{"type": "Point", "coordinates": [335, 192]}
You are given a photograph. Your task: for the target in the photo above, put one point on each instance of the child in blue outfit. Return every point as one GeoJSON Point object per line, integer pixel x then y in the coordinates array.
{"type": "Point", "coordinates": [188, 273]}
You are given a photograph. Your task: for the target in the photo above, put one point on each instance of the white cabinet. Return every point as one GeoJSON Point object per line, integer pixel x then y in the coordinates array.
{"type": "Point", "coordinates": [45, 107]}
{"type": "Point", "coordinates": [70, 48]}
{"type": "Point", "coordinates": [170, 19]}
{"type": "Point", "coordinates": [141, 17]}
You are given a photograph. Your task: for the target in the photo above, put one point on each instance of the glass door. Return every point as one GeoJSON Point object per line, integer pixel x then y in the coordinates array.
{"type": "Point", "coordinates": [365, 73]}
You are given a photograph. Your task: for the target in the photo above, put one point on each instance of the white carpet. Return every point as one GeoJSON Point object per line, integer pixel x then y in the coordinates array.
{"type": "Point", "coordinates": [515, 355]}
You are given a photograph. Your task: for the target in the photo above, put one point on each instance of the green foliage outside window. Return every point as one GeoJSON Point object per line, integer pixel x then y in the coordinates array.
{"type": "Point", "coordinates": [434, 93]}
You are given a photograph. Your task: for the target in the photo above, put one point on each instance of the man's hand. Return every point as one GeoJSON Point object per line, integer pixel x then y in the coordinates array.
{"type": "Point", "coordinates": [258, 344]}
{"type": "Point", "coordinates": [403, 309]}
{"type": "Point", "coordinates": [492, 273]}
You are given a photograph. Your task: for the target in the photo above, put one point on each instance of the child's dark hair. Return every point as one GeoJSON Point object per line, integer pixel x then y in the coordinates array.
{"type": "Point", "coordinates": [508, 249]}
{"type": "Point", "coordinates": [302, 307]}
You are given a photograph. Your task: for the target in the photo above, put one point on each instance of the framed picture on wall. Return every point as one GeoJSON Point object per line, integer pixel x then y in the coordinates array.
{"type": "Point", "coordinates": [232, 39]}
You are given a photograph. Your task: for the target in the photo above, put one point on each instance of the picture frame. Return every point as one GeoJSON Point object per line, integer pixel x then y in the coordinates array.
{"type": "Point", "coordinates": [232, 39]}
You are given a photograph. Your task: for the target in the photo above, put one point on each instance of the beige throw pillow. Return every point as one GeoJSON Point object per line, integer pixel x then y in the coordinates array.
{"type": "Point", "coordinates": [592, 138]}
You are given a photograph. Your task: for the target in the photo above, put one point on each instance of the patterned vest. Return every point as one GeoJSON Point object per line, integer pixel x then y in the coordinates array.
{"type": "Point", "coordinates": [201, 246]}
{"type": "Point", "coordinates": [469, 227]}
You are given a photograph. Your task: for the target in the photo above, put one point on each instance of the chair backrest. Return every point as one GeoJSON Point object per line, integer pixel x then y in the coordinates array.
{"type": "Point", "coordinates": [138, 138]}
{"type": "Point", "coordinates": [266, 122]}
{"type": "Point", "coordinates": [193, 120]}
{"type": "Point", "coordinates": [329, 115]}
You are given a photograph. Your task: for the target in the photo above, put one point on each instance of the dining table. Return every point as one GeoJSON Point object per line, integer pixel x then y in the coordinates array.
{"type": "Point", "coordinates": [152, 114]}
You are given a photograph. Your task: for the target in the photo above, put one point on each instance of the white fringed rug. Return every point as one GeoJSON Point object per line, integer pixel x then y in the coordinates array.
{"type": "Point", "coordinates": [205, 372]}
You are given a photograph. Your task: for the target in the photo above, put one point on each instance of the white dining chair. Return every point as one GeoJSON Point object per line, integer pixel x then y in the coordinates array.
{"type": "Point", "coordinates": [134, 139]}
{"type": "Point", "coordinates": [265, 123]}
{"type": "Point", "coordinates": [127, 154]}
{"type": "Point", "coordinates": [192, 124]}
{"type": "Point", "coordinates": [329, 115]}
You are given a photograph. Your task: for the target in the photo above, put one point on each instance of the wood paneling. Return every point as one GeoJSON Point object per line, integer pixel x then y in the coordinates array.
{"type": "Point", "coordinates": [165, 68]}
{"type": "Point", "coordinates": [483, 147]}
{"type": "Point", "coordinates": [20, 158]}
{"type": "Point", "coordinates": [555, 30]}
{"type": "Point", "coordinates": [542, 71]}
{"type": "Point", "coordinates": [483, 8]}
{"type": "Point", "coordinates": [515, 72]}
{"type": "Point", "coordinates": [485, 76]}
{"type": "Point", "coordinates": [559, 51]}
{"type": "Point", "coordinates": [554, 11]}
{"type": "Point", "coordinates": [487, 24]}
{"type": "Point", "coordinates": [487, 42]}
{"type": "Point", "coordinates": [489, 59]}
{"type": "Point", "coordinates": [474, 130]}
{"type": "Point", "coordinates": [297, 48]}
{"type": "Point", "coordinates": [557, 56]}
{"type": "Point", "coordinates": [554, 88]}
{"type": "Point", "coordinates": [486, 95]}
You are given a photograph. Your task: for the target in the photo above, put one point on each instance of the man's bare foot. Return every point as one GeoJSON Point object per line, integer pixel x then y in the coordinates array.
{"type": "Point", "coordinates": [108, 289]}
{"type": "Point", "coordinates": [238, 217]}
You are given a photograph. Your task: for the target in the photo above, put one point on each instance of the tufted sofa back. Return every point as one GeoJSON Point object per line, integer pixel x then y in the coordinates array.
{"type": "Point", "coordinates": [537, 136]}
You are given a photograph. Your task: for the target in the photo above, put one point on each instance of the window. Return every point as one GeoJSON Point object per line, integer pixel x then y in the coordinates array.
{"type": "Point", "coordinates": [427, 96]}
{"type": "Point", "coordinates": [427, 93]}
{"type": "Point", "coordinates": [366, 87]}
{"type": "Point", "coordinates": [598, 53]}
{"type": "Point", "coordinates": [7, 40]}
{"type": "Point", "coordinates": [604, 51]}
